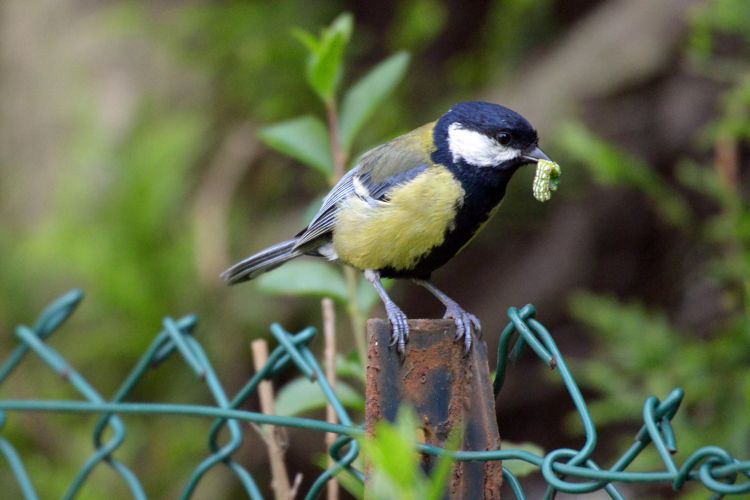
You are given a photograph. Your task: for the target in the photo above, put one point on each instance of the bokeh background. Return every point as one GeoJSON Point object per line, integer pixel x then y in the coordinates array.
{"type": "Point", "coordinates": [130, 166]}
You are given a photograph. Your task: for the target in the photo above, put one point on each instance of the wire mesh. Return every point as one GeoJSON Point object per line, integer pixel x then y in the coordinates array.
{"type": "Point", "coordinates": [565, 470]}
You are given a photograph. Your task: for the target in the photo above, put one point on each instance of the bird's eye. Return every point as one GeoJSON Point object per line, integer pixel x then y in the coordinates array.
{"type": "Point", "coordinates": [503, 138]}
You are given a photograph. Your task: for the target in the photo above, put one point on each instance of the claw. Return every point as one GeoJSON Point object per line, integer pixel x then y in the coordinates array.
{"type": "Point", "coordinates": [477, 325]}
{"type": "Point", "coordinates": [465, 323]}
{"type": "Point", "coordinates": [399, 326]}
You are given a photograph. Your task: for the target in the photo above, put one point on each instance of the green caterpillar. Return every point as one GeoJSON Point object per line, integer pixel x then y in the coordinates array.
{"type": "Point", "coordinates": [546, 180]}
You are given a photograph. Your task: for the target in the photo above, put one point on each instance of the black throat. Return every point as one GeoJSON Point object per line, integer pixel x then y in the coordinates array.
{"type": "Point", "coordinates": [484, 189]}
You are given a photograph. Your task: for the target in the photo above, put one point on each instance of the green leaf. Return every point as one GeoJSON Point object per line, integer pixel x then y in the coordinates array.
{"type": "Point", "coordinates": [307, 39]}
{"type": "Point", "coordinates": [304, 139]}
{"type": "Point", "coordinates": [324, 64]}
{"type": "Point", "coordinates": [442, 471]}
{"type": "Point", "coordinates": [350, 367]}
{"type": "Point", "coordinates": [315, 279]}
{"type": "Point", "coordinates": [612, 166]}
{"type": "Point", "coordinates": [301, 395]}
{"type": "Point", "coordinates": [520, 468]}
{"type": "Point", "coordinates": [392, 452]}
{"type": "Point", "coordinates": [417, 23]}
{"type": "Point", "coordinates": [365, 96]}
{"type": "Point", "coordinates": [343, 25]}
{"type": "Point", "coordinates": [349, 482]}
{"type": "Point", "coordinates": [396, 467]}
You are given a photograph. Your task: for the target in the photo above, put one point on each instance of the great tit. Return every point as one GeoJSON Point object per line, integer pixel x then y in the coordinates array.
{"type": "Point", "coordinates": [411, 204]}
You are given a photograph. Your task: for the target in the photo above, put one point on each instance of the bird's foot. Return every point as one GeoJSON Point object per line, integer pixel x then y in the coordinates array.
{"type": "Point", "coordinates": [465, 323]}
{"type": "Point", "coordinates": [399, 327]}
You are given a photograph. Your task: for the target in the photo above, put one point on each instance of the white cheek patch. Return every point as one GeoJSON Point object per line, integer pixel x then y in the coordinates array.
{"type": "Point", "coordinates": [476, 148]}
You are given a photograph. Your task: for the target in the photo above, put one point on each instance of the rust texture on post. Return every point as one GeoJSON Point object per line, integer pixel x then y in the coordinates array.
{"type": "Point", "coordinates": [446, 388]}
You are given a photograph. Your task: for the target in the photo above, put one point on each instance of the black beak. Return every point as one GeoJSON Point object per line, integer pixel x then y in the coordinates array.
{"type": "Point", "coordinates": [535, 155]}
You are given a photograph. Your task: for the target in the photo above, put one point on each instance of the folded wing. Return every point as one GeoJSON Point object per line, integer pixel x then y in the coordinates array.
{"type": "Point", "coordinates": [378, 171]}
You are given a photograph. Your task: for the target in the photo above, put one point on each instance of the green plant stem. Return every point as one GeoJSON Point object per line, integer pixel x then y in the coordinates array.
{"type": "Point", "coordinates": [356, 317]}
{"type": "Point", "coordinates": [339, 155]}
{"type": "Point", "coordinates": [329, 336]}
{"type": "Point", "coordinates": [726, 162]}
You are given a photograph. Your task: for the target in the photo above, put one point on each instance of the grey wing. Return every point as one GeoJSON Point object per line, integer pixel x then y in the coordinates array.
{"type": "Point", "coordinates": [324, 220]}
{"type": "Point", "coordinates": [354, 183]}
{"type": "Point", "coordinates": [377, 172]}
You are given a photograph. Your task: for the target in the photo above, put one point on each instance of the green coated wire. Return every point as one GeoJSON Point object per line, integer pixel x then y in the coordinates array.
{"type": "Point", "coordinates": [181, 343]}
{"type": "Point", "coordinates": [291, 349]}
{"type": "Point", "coordinates": [712, 466]}
{"type": "Point", "coordinates": [187, 410]}
{"type": "Point", "coordinates": [576, 457]}
{"type": "Point", "coordinates": [59, 365]}
{"type": "Point", "coordinates": [343, 417]}
{"type": "Point", "coordinates": [208, 375]}
{"type": "Point", "coordinates": [511, 480]}
{"type": "Point", "coordinates": [277, 361]}
{"type": "Point", "coordinates": [18, 469]}
{"type": "Point", "coordinates": [51, 318]}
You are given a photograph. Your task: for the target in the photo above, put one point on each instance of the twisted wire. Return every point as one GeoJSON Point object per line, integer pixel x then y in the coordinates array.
{"type": "Point", "coordinates": [565, 470]}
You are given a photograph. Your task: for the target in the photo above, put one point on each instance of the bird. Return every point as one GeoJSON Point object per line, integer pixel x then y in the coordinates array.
{"type": "Point", "coordinates": [410, 205]}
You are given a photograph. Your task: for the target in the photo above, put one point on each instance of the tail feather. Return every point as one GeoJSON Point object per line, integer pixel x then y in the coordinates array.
{"type": "Point", "coordinates": [261, 262]}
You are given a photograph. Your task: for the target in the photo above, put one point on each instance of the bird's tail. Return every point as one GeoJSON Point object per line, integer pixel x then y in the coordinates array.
{"type": "Point", "coordinates": [261, 262]}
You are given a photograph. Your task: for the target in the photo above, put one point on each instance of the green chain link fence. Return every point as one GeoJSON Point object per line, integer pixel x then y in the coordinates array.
{"type": "Point", "coordinates": [712, 466]}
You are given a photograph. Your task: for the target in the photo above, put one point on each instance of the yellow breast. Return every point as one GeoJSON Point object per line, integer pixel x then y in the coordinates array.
{"type": "Point", "coordinates": [398, 232]}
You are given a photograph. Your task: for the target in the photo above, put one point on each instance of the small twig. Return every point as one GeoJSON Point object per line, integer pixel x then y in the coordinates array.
{"type": "Point", "coordinates": [356, 318]}
{"type": "Point", "coordinates": [297, 483]}
{"type": "Point", "coordinates": [275, 443]}
{"type": "Point", "coordinates": [213, 198]}
{"type": "Point", "coordinates": [329, 335]}
{"type": "Point", "coordinates": [727, 161]}
{"type": "Point", "coordinates": [339, 167]}
{"type": "Point", "coordinates": [339, 155]}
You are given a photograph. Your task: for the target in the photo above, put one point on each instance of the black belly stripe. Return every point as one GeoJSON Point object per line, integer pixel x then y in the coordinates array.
{"type": "Point", "coordinates": [484, 188]}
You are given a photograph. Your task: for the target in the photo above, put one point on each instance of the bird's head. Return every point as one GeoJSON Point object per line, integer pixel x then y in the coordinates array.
{"type": "Point", "coordinates": [482, 134]}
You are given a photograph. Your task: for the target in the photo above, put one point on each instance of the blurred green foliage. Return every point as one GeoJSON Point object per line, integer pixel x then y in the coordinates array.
{"type": "Point", "coordinates": [396, 466]}
{"type": "Point", "coordinates": [326, 56]}
{"type": "Point", "coordinates": [613, 167]}
{"type": "Point", "coordinates": [397, 469]}
{"type": "Point", "coordinates": [305, 139]}
{"type": "Point", "coordinates": [120, 227]}
{"type": "Point", "coordinates": [119, 216]}
{"type": "Point", "coordinates": [715, 19]}
{"type": "Point", "coordinates": [640, 349]}
{"type": "Point", "coordinates": [116, 214]}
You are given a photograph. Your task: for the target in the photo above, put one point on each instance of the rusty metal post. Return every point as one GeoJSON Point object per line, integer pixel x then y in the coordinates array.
{"type": "Point", "coordinates": [446, 389]}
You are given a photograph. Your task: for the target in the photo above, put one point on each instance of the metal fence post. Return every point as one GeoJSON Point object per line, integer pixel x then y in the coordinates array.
{"type": "Point", "coordinates": [446, 388]}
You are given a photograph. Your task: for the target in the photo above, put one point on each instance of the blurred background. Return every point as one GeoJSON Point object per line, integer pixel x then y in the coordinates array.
{"type": "Point", "coordinates": [130, 166]}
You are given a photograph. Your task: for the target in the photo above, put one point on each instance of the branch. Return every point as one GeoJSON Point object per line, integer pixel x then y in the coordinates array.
{"type": "Point", "coordinates": [273, 439]}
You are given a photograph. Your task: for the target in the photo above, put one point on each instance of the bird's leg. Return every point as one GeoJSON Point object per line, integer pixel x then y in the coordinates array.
{"type": "Point", "coordinates": [399, 321]}
{"type": "Point", "coordinates": [464, 320]}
